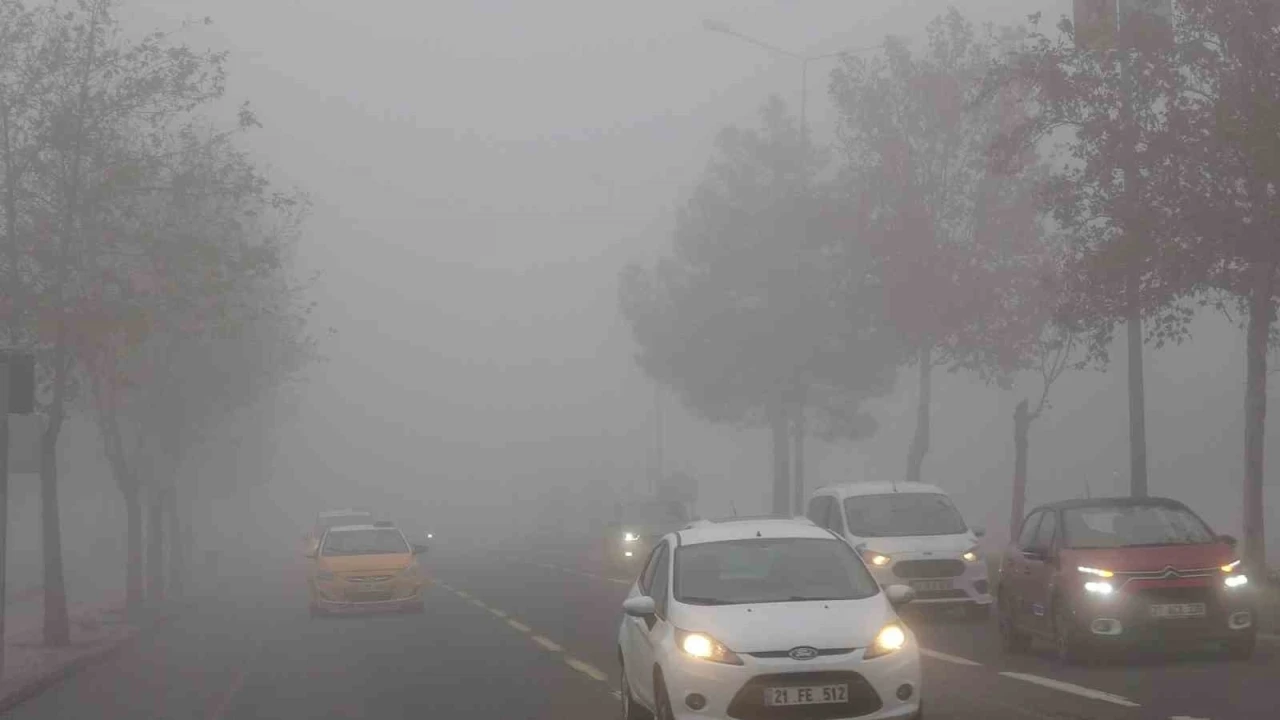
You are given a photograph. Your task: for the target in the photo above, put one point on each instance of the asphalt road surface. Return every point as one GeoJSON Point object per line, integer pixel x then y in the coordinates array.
{"type": "Point", "coordinates": [530, 636]}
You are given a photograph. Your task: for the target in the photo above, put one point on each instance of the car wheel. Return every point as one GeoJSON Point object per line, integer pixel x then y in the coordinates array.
{"type": "Point", "coordinates": [631, 710]}
{"type": "Point", "coordinates": [1012, 639]}
{"type": "Point", "coordinates": [661, 700]}
{"type": "Point", "coordinates": [1241, 648]}
{"type": "Point", "coordinates": [1067, 643]}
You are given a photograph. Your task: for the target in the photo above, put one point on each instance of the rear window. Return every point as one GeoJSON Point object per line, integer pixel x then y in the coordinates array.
{"type": "Point", "coordinates": [371, 541]}
{"type": "Point", "coordinates": [770, 570]}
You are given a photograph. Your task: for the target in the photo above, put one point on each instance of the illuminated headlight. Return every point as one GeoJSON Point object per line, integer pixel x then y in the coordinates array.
{"type": "Point", "coordinates": [429, 536]}
{"type": "Point", "coordinates": [873, 557]}
{"type": "Point", "coordinates": [630, 537]}
{"type": "Point", "coordinates": [705, 647]}
{"type": "Point", "coordinates": [1096, 572]}
{"type": "Point", "coordinates": [1235, 581]}
{"type": "Point", "coordinates": [1099, 588]}
{"type": "Point", "coordinates": [1231, 566]}
{"type": "Point", "coordinates": [891, 638]}
{"type": "Point", "coordinates": [971, 555]}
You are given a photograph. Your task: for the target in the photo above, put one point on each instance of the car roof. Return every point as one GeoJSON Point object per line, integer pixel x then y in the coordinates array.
{"type": "Point", "coordinates": [879, 488]}
{"type": "Point", "coordinates": [749, 528]}
{"type": "Point", "coordinates": [340, 513]}
{"type": "Point", "coordinates": [366, 526]}
{"type": "Point", "coordinates": [1111, 502]}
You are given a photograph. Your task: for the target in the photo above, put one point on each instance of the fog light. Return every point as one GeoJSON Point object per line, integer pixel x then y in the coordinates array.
{"type": "Point", "coordinates": [980, 586]}
{"type": "Point", "coordinates": [695, 701]}
{"type": "Point", "coordinates": [1240, 620]}
{"type": "Point", "coordinates": [627, 553]}
{"type": "Point", "coordinates": [905, 692]}
{"type": "Point", "coordinates": [1106, 626]}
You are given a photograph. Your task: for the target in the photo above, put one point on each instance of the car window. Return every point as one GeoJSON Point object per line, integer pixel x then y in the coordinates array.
{"type": "Point", "coordinates": [1133, 526]}
{"type": "Point", "coordinates": [768, 570]}
{"type": "Point", "coordinates": [646, 575]}
{"type": "Point", "coordinates": [820, 510]}
{"type": "Point", "coordinates": [1028, 535]}
{"type": "Point", "coordinates": [903, 515]}
{"type": "Point", "coordinates": [371, 541]}
{"type": "Point", "coordinates": [1045, 534]}
{"type": "Point", "coordinates": [660, 584]}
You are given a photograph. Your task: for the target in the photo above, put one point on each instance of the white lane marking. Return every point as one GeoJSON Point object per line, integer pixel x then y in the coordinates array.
{"type": "Point", "coordinates": [519, 625]}
{"type": "Point", "coordinates": [585, 669]}
{"type": "Point", "coordinates": [617, 694]}
{"type": "Point", "coordinates": [1186, 717]}
{"type": "Point", "coordinates": [548, 644]}
{"type": "Point", "coordinates": [948, 658]}
{"type": "Point", "coordinates": [462, 594]}
{"type": "Point", "coordinates": [1269, 637]}
{"type": "Point", "coordinates": [479, 604]}
{"type": "Point", "coordinates": [498, 612]}
{"type": "Point", "coordinates": [1073, 689]}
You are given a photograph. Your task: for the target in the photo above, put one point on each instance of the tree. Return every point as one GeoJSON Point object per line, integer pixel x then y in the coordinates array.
{"type": "Point", "coordinates": [915, 151]}
{"type": "Point", "coordinates": [751, 317]}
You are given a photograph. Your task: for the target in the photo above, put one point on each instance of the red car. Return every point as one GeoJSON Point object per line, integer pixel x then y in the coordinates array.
{"type": "Point", "coordinates": [1117, 572]}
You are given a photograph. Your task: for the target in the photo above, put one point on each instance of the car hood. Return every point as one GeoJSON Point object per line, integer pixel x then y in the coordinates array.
{"type": "Point", "coordinates": [954, 544]}
{"type": "Point", "coordinates": [366, 563]}
{"type": "Point", "coordinates": [768, 627]}
{"type": "Point", "coordinates": [1151, 559]}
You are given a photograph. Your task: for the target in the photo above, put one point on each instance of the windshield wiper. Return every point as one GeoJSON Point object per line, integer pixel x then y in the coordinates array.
{"type": "Point", "coordinates": [705, 601]}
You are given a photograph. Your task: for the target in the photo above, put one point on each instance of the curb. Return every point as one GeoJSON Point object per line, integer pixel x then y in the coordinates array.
{"type": "Point", "coordinates": [38, 685]}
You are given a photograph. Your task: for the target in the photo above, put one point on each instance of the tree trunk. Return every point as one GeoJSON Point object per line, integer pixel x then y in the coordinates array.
{"type": "Point", "coordinates": [797, 462]}
{"type": "Point", "coordinates": [1137, 393]}
{"type": "Point", "coordinates": [155, 548]}
{"type": "Point", "coordinates": [920, 443]}
{"type": "Point", "coordinates": [778, 425]}
{"type": "Point", "coordinates": [176, 549]}
{"type": "Point", "coordinates": [1021, 426]}
{"type": "Point", "coordinates": [57, 626]}
{"type": "Point", "coordinates": [1261, 317]}
{"type": "Point", "coordinates": [133, 562]}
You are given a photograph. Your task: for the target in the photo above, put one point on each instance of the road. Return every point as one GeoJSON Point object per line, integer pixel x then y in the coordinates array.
{"type": "Point", "coordinates": [518, 636]}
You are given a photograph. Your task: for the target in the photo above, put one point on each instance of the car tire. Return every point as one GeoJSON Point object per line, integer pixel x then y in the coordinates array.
{"type": "Point", "coordinates": [1013, 640]}
{"type": "Point", "coordinates": [631, 710]}
{"type": "Point", "coordinates": [661, 700]}
{"type": "Point", "coordinates": [1242, 647]}
{"type": "Point", "coordinates": [1067, 644]}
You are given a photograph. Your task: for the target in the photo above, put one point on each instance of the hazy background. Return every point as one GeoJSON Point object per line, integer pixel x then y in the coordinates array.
{"type": "Point", "coordinates": [481, 170]}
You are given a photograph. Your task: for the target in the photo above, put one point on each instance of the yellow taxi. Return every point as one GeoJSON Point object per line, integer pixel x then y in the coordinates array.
{"type": "Point", "coordinates": [365, 568]}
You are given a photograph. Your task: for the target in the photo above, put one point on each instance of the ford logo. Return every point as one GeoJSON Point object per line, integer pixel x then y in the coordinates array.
{"type": "Point", "coordinates": [803, 653]}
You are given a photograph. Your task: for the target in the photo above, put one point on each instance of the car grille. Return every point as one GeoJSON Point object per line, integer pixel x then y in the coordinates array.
{"type": "Point", "coordinates": [748, 703]}
{"type": "Point", "coordinates": [940, 594]}
{"type": "Point", "coordinates": [787, 653]}
{"type": "Point", "coordinates": [928, 568]}
{"type": "Point", "coordinates": [369, 578]}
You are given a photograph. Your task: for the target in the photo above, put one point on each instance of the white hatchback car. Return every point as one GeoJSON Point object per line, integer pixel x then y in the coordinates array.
{"type": "Point", "coordinates": [909, 533]}
{"type": "Point", "coordinates": [764, 618]}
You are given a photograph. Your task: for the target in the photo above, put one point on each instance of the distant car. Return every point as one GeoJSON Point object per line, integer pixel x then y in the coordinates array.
{"type": "Point", "coordinates": [333, 518]}
{"type": "Point", "coordinates": [910, 533]}
{"type": "Point", "coordinates": [764, 618]}
{"type": "Point", "coordinates": [1123, 572]}
{"type": "Point", "coordinates": [637, 526]}
{"type": "Point", "coordinates": [365, 568]}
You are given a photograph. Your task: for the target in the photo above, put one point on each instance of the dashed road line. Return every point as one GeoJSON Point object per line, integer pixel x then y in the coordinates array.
{"type": "Point", "coordinates": [1073, 689]}
{"type": "Point", "coordinates": [548, 644]}
{"type": "Point", "coordinates": [948, 658]}
{"type": "Point", "coordinates": [586, 669]}
{"type": "Point", "coordinates": [498, 612]}
{"type": "Point", "coordinates": [617, 694]}
{"type": "Point", "coordinates": [519, 625]}
{"type": "Point", "coordinates": [620, 581]}
{"type": "Point", "coordinates": [462, 594]}
{"type": "Point", "coordinates": [480, 604]}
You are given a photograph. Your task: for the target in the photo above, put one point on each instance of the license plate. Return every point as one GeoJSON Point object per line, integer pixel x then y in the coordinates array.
{"type": "Point", "coordinates": [931, 585]}
{"type": "Point", "coordinates": [1178, 610]}
{"type": "Point", "coordinates": [369, 587]}
{"type": "Point", "coordinates": [816, 695]}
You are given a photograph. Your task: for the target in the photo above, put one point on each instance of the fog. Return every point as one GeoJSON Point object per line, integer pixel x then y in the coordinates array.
{"type": "Point", "coordinates": [480, 173]}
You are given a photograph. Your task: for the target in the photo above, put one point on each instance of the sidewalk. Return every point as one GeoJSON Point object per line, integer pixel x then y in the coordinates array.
{"type": "Point", "coordinates": [30, 667]}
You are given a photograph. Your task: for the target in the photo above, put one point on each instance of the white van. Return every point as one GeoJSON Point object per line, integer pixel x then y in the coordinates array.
{"type": "Point", "coordinates": [909, 533]}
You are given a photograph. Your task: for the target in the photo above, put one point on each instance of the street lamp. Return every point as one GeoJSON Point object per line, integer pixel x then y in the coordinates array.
{"type": "Point", "coordinates": [722, 28]}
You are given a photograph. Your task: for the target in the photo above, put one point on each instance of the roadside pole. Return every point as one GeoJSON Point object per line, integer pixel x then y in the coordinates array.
{"type": "Point", "coordinates": [4, 493]}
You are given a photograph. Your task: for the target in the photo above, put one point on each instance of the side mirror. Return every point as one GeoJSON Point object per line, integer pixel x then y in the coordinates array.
{"type": "Point", "coordinates": [640, 606]}
{"type": "Point", "coordinates": [419, 549]}
{"type": "Point", "coordinates": [900, 595]}
{"type": "Point", "coordinates": [979, 532]}
{"type": "Point", "coordinates": [1228, 539]}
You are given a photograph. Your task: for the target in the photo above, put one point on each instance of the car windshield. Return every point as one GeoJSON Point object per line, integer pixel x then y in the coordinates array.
{"type": "Point", "coordinates": [1133, 526]}
{"type": "Point", "coordinates": [371, 541]}
{"type": "Point", "coordinates": [329, 521]}
{"type": "Point", "coordinates": [738, 572]}
{"type": "Point", "coordinates": [655, 513]}
{"type": "Point", "coordinates": [903, 515]}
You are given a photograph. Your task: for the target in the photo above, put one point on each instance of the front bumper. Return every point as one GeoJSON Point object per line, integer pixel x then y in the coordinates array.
{"type": "Point", "coordinates": [336, 607]}
{"type": "Point", "coordinates": [1124, 620]}
{"type": "Point", "coordinates": [737, 691]}
{"type": "Point", "coordinates": [338, 598]}
{"type": "Point", "coordinates": [938, 580]}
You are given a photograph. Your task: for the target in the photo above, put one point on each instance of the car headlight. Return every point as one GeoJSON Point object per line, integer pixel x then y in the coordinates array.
{"type": "Point", "coordinates": [971, 555]}
{"type": "Point", "coordinates": [1231, 566]}
{"type": "Point", "coordinates": [890, 639]}
{"type": "Point", "coordinates": [705, 647]}
{"type": "Point", "coordinates": [325, 575]}
{"type": "Point", "coordinates": [1095, 572]}
{"type": "Point", "coordinates": [1099, 588]}
{"type": "Point", "coordinates": [630, 537]}
{"type": "Point", "coordinates": [1235, 581]}
{"type": "Point", "coordinates": [872, 557]}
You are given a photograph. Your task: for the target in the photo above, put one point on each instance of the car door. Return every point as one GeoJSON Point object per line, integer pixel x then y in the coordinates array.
{"type": "Point", "coordinates": [642, 632]}
{"type": "Point", "coordinates": [1041, 564]}
{"type": "Point", "coordinates": [1013, 569]}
